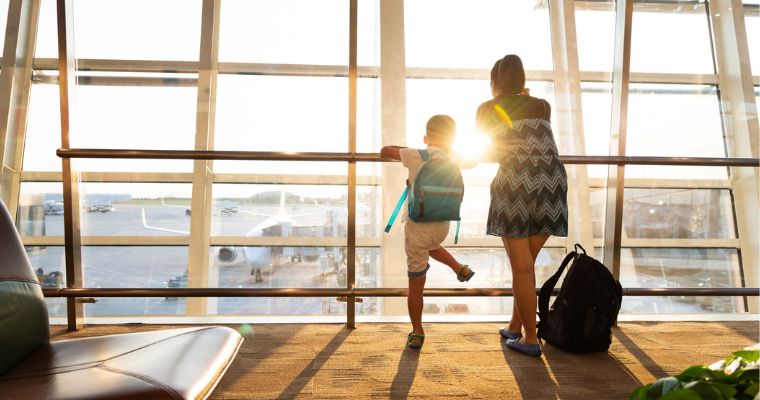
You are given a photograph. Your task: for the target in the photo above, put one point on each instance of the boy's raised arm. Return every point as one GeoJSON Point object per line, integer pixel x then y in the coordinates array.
{"type": "Point", "coordinates": [391, 152]}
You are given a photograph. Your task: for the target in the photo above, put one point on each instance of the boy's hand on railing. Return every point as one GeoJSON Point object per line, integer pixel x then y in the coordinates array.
{"type": "Point", "coordinates": [391, 152]}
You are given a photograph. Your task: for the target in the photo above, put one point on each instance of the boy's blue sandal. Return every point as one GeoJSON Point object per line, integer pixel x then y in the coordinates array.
{"type": "Point", "coordinates": [465, 273]}
{"type": "Point", "coordinates": [412, 341]}
{"type": "Point", "coordinates": [509, 335]}
{"type": "Point", "coordinates": [533, 350]}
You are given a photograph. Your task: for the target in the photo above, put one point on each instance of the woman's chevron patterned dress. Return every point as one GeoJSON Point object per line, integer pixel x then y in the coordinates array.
{"type": "Point", "coordinates": [529, 192]}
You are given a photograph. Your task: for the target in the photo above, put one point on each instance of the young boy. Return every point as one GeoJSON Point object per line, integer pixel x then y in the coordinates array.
{"type": "Point", "coordinates": [423, 239]}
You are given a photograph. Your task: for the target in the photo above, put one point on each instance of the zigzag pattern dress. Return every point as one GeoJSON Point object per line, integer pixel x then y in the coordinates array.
{"type": "Point", "coordinates": [529, 192]}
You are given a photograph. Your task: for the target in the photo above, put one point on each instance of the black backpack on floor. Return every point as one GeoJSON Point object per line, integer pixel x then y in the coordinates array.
{"type": "Point", "coordinates": [582, 315]}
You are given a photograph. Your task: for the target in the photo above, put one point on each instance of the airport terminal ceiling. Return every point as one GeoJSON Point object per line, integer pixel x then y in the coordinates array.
{"type": "Point", "coordinates": [348, 77]}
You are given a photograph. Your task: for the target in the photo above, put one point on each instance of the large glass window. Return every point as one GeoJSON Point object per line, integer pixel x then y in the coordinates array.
{"type": "Point", "coordinates": [284, 32]}
{"type": "Point", "coordinates": [284, 88]}
{"type": "Point", "coordinates": [133, 267]}
{"type": "Point", "coordinates": [134, 209]}
{"type": "Point", "coordinates": [674, 121]}
{"type": "Point", "coordinates": [678, 214]}
{"type": "Point", "coordinates": [43, 129]}
{"type": "Point", "coordinates": [453, 34]}
{"type": "Point", "coordinates": [595, 30]}
{"type": "Point", "coordinates": [683, 48]}
{"type": "Point", "coordinates": [680, 267]}
{"type": "Point", "coordinates": [49, 265]}
{"type": "Point", "coordinates": [101, 27]}
{"type": "Point", "coordinates": [272, 113]}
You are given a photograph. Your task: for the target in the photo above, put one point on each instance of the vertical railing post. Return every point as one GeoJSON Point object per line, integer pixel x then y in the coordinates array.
{"type": "Point", "coordinates": [613, 222]}
{"type": "Point", "coordinates": [69, 174]}
{"type": "Point", "coordinates": [351, 232]}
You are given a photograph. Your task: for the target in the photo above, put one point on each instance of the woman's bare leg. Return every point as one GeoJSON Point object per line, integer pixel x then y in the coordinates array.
{"type": "Point", "coordinates": [536, 243]}
{"type": "Point", "coordinates": [523, 285]}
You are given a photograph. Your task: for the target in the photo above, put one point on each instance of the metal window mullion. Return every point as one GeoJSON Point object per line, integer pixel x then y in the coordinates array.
{"type": "Point", "coordinates": [15, 86]}
{"type": "Point", "coordinates": [69, 176]}
{"type": "Point", "coordinates": [198, 269]}
{"type": "Point", "coordinates": [569, 117]}
{"type": "Point", "coordinates": [613, 226]}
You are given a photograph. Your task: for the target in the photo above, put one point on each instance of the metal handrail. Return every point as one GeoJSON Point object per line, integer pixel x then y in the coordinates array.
{"type": "Point", "coordinates": [375, 157]}
{"type": "Point", "coordinates": [367, 292]}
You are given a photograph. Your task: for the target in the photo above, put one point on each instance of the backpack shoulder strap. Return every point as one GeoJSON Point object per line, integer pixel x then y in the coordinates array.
{"type": "Point", "coordinates": [548, 287]}
{"type": "Point", "coordinates": [424, 154]}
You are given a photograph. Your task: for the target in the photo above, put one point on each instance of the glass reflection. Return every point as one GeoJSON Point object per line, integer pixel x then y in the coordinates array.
{"type": "Point", "coordinates": [678, 213]}
{"type": "Point", "coordinates": [49, 265]}
{"type": "Point", "coordinates": [680, 268]}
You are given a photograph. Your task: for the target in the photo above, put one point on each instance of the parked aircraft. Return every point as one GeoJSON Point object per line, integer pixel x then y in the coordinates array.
{"type": "Point", "coordinates": [220, 207]}
{"type": "Point", "coordinates": [281, 224]}
{"type": "Point", "coordinates": [53, 207]}
{"type": "Point", "coordinates": [101, 207]}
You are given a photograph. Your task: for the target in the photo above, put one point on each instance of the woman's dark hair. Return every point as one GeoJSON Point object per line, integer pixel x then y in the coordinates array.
{"type": "Point", "coordinates": [508, 75]}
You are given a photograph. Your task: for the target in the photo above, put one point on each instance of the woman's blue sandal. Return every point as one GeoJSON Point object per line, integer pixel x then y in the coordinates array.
{"type": "Point", "coordinates": [533, 350]}
{"type": "Point", "coordinates": [414, 340]}
{"type": "Point", "coordinates": [509, 335]}
{"type": "Point", "coordinates": [465, 273]}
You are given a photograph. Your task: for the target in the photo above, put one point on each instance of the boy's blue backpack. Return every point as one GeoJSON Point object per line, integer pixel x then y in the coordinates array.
{"type": "Point", "coordinates": [437, 192]}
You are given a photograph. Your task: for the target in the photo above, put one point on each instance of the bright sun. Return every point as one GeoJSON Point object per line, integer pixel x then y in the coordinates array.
{"type": "Point", "coordinates": [471, 146]}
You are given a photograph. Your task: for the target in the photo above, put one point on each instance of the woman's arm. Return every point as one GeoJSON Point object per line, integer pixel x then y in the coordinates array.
{"type": "Point", "coordinates": [391, 152]}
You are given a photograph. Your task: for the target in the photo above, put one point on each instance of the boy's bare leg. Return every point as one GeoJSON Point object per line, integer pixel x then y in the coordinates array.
{"type": "Point", "coordinates": [443, 256]}
{"type": "Point", "coordinates": [414, 303]}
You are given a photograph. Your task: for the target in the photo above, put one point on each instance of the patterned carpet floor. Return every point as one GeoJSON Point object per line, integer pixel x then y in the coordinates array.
{"type": "Point", "coordinates": [458, 360]}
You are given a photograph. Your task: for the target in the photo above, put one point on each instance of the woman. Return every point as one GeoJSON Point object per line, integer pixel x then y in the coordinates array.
{"type": "Point", "coordinates": [529, 192]}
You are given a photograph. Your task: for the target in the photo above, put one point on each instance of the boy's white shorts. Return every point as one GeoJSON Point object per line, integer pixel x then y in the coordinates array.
{"type": "Point", "coordinates": [420, 238]}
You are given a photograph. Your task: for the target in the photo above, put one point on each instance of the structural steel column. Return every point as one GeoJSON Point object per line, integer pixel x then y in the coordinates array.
{"type": "Point", "coordinates": [569, 117]}
{"type": "Point", "coordinates": [198, 271]}
{"type": "Point", "coordinates": [393, 123]}
{"type": "Point", "coordinates": [15, 88]}
{"type": "Point", "coordinates": [69, 174]}
{"type": "Point", "coordinates": [740, 119]}
{"type": "Point", "coordinates": [613, 222]}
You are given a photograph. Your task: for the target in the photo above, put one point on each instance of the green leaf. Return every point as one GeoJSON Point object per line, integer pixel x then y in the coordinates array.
{"type": "Point", "coordinates": [640, 393]}
{"type": "Point", "coordinates": [752, 389]}
{"type": "Point", "coordinates": [695, 373]}
{"type": "Point", "coordinates": [712, 390]}
{"type": "Point", "coordinates": [751, 374]}
{"type": "Point", "coordinates": [680, 394]}
{"type": "Point", "coordinates": [746, 355]}
{"type": "Point", "coordinates": [662, 386]}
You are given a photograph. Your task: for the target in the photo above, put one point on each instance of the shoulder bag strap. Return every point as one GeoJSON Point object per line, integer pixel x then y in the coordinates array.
{"type": "Point", "coordinates": [397, 209]}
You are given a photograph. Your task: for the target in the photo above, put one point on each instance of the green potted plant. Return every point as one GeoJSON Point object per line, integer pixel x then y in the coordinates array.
{"type": "Point", "coordinates": [736, 377]}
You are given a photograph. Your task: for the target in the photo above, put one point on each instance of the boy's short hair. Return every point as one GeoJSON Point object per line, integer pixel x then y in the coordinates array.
{"type": "Point", "coordinates": [441, 127]}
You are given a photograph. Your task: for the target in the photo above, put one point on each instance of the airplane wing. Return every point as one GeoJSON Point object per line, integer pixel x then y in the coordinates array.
{"type": "Point", "coordinates": [155, 228]}
{"type": "Point", "coordinates": [256, 213]}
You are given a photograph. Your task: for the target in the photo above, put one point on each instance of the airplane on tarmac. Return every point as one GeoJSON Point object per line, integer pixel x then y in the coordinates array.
{"type": "Point", "coordinates": [259, 258]}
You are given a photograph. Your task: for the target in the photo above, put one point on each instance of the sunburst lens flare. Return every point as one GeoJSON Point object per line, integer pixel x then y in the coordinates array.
{"type": "Point", "coordinates": [503, 114]}
{"type": "Point", "coordinates": [245, 329]}
{"type": "Point", "coordinates": [471, 146]}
